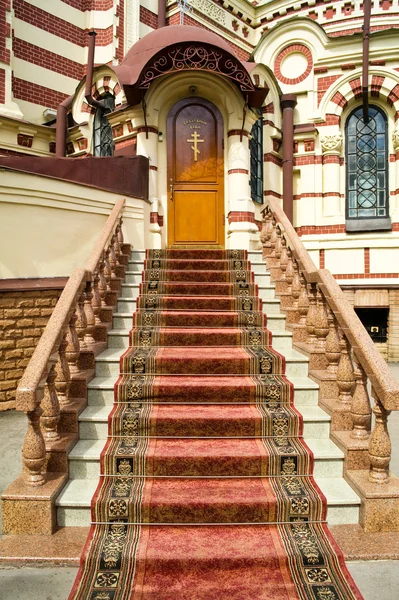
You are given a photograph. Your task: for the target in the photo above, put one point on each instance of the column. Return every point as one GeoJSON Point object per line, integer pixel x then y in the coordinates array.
{"type": "Point", "coordinates": [331, 146]}
{"type": "Point", "coordinates": [240, 210]}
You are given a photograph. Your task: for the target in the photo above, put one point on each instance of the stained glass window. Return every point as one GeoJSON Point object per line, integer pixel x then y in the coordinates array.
{"type": "Point", "coordinates": [366, 165]}
{"type": "Point", "coordinates": [102, 132]}
{"type": "Point", "coordinates": [256, 151]}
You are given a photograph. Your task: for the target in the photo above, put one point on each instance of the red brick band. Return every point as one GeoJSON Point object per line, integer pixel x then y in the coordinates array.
{"type": "Point", "coordinates": [232, 171]}
{"type": "Point", "coordinates": [238, 216]}
{"type": "Point", "coordinates": [37, 94]}
{"type": "Point", "coordinates": [148, 17]}
{"type": "Point", "coordinates": [49, 60]}
{"type": "Point", "coordinates": [237, 132]}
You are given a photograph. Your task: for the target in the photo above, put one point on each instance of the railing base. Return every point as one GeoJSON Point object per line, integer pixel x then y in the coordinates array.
{"type": "Point", "coordinates": [29, 509]}
{"type": "Point", "coordinates": [379, 509]}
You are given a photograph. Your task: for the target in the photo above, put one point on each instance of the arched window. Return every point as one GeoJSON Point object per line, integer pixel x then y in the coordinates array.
{"type": "Point", "coordinates": [256, 152]}
{"type": "Point", "coordinates": [367, 187]}
{"type": "Point", "coordinates": [102, 132]}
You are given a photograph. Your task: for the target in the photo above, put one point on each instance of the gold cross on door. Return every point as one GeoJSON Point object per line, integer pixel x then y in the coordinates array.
{"type": "Point", "coordinates": [195, 138]}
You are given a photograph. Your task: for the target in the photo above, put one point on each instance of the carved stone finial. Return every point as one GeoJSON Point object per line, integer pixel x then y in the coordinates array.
{"type": "Point", "coordinates": [332, 143]}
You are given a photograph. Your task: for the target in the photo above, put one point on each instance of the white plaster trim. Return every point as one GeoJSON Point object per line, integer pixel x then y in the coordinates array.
{"type": "Point", "coordinates": [44, 77]}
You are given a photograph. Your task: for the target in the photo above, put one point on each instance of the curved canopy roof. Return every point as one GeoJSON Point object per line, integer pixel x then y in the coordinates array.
{"type": "Point", "coordinates": [182, 47]}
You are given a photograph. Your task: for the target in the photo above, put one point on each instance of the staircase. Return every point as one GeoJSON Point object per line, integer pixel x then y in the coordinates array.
{"type": "Point", "coordinates": [73, 504]}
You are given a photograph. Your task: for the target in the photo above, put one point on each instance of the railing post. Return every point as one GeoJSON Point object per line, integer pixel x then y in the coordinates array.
{"type": "Point", "coordinates": [107, 270]}
{"type": "Point", "coordinates": [51, 409]}
{"type": "Point", "coordinates": [380, 444]}
{"type": "Point", "coordinates": [96, 299]}
{"type": "Point", "coordinates": [283, 259]}
{"type": "Point", "coordinates": [311, 316]}
{"type": "Point", "coordinates": [62, 374]}
{"type": "Point", "coordinates": [333, 349]}
{"type": "Point", "coordinates": [89, 314]}
{"type": "Point", "coordinates": [34, 450]}
{"type": "Point", "coordinates": [73, 346]}
{"type": "Point", "coordinates": [360, 409]}
{"type": "Point", "coordinates": [81, 323]}
{"type": "Point", "coordinates": [303, 301]}
{"type": "Point", "coordinates": [289, 272]}
{"type": "Point", "coordinates": [345, 378]}
{"type": "Point", "coordinates": [320, 321]}
{"type": "Point", "coordinates": [295, 285]}
{"type": "Point", "coordinates": [112, 258]}
{"type": "Point", "coordinates": [102, 284]}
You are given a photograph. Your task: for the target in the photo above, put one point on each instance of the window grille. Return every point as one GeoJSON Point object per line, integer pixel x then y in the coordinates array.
{"type": "Point", "coordinates": [256, 153]}
{"type": "Point", "coordinates": [367, 165]}
{"type": "Point", "coordinates": [102, 132]}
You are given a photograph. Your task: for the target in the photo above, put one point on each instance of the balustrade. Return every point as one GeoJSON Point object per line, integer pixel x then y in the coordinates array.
{"type": "Point", "coordinates": [332, 328]}
{"type": "Point", "coordinates": [44, 390]}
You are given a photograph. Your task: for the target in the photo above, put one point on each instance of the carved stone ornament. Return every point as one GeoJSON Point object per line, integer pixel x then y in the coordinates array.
{"type": "Point", "coordinates": [395, 140]}
{"type": "Point", "coordinates": [211, 10]}
{"type": "Point", "coordinates": [332, 143]}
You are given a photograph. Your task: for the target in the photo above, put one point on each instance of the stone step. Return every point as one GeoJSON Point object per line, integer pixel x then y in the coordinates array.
{"type": "Point", "coordinates": [84, 458]}
{"type": "Point", "coordinates": [107, 364]}
{"type": "Point", "coordinates": [93, 422]}
{"type": "Point", "coordinates": [119, 338]}
{"type": "Point", "coordinates": [101, 391]}
{"type": "Point", "coordinates": [73, 504]}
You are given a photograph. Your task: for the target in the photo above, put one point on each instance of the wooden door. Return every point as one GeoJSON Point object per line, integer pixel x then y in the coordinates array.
{"type": "Point", "coordinates": [195, 174]}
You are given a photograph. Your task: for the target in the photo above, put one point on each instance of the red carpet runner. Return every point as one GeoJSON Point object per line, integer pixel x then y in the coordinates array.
{"type": "Point", "coordinates": [206, 487]}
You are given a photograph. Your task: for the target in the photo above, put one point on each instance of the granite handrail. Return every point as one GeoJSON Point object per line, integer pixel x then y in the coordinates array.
{"type": "Point", "coordinates": [375, 367]}
{"type": "Point", "coordinates": [105, 236]}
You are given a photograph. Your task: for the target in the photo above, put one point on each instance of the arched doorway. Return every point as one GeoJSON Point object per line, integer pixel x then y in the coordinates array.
{"type": "Point", "coordinates": [195, 174]}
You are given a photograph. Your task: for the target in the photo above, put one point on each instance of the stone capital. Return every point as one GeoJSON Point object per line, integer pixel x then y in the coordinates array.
{"type": "Point", "coordinates": [395, 140]}
{"type": "Point", "coordinates": [331, 143]}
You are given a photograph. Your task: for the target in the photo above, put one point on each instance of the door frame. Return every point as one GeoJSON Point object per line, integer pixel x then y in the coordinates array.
{"type": "Point", "coordinates": [170, 137]}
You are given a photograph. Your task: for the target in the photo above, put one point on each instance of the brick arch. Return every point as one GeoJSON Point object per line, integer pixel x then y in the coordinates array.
{"type": "Point", "coordinates": [349, 87]}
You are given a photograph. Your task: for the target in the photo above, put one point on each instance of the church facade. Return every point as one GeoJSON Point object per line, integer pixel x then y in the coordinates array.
{"type": "Point", "coordinates": [202, 88]}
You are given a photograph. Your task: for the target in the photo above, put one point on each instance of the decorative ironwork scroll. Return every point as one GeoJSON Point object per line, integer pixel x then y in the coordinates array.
{"type": "Point", "coordinates": [195, 58]}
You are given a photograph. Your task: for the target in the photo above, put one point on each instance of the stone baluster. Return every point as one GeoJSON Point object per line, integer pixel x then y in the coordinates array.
{"type": "Point", "coordinates": [278, 246]}
{"type": "Point", "coordinates": [120, 233]}
{"type": "Point", "coordinates": [62, 374]}
{"type": "Point", "coordinates": [273, 236]}
{"type": "Point", "coordinates": [81, 323]}
{"type": "Point", "coordinates": [73, 348]}
{"type": "Point", "coordinates": [303, 300]}
{"type": "Point", "coordinates": [51, 409]}
{"type": "Point", "coordinates": [283, 258]}
{"type": "Point", "coordinates": [102, 283]}
{"type": "Point", "coordinates": [263, 231]}
{"type": "Point", "coordinates": [267, 246]}
{"type": "Point", "coordinates": [311, 316]}
{"type": "Point", "coordinates": [295, 285]}
{"type": "Point", "coordinates": [89, 314]}
{"type": "Point", "coordinates": [321, 322]}
{"type": "Point", "coordinates": [96, 301]}
{"type": "Point", "coordinates": [117, 248]}
{"type": "Point", "coordinates": [112, 258]}
{"type": "Point", "coordinates": [380, 444]}
{"type": "Point", "coordinates": [289, 272]}
{"type": "Point", "coordinates": [360, 409]}
{"type": "Point", "coordinates": [107, 270]}
{"type": "Point", "coordinates": [34, 450]}
{"type": "Point", "coordinates": [333, 349]}
{"type": "Point", "coordinates": [345, 377]}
